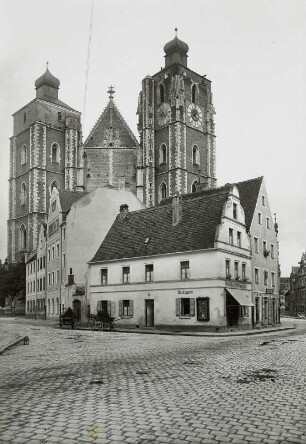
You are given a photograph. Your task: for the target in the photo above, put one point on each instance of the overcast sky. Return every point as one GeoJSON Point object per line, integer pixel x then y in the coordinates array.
{"type": "Point", "coordinates": [253, 51]}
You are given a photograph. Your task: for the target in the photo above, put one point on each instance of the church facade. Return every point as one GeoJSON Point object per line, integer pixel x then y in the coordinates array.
{"type": "Point", "coordinates": [176, 152]}
{"type": "Point", "coordinates": [45, 152]}
{"type": "Point", "coordinates": [177, 130]}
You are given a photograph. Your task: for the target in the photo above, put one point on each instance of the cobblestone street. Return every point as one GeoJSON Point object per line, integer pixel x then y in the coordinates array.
{"type": "Point", "coordinates": [71, 386]}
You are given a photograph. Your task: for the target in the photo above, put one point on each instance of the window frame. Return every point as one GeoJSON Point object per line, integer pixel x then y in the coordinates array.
{"type": "Point", "coordinates": [126, 274]}
{"type": "Point", "coordinates": [256, 276]}
{"type": "Point", "coordinates": [149, 273]}
{"type": "Point", "coordinates": [185, 270]}
{"type": "Point", "coordinates": [104, 276]}
{"type": "Point", "coordinates": [235, 212]}
{"type": "Point", "coordinates": [231, 236]}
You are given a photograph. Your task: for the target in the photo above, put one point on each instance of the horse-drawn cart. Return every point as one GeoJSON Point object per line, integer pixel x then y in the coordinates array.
{"type": "Point", "coordinates": [68, 318]}
{"type": "Point", "coordinates": [102, 321]}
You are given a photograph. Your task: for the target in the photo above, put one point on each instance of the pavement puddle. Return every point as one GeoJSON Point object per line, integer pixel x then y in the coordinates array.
{"type": "Point", "coordinates": [261, 375]}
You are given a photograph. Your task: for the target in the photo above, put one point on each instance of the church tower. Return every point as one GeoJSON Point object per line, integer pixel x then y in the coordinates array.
{"type": "Point", "coordinates": [45, 152]}
{"type": "Point", "coordinates": [177, 132]}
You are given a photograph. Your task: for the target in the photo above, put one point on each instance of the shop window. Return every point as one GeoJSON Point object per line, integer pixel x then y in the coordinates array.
{"type": "Point", "coordinates": [245, 311]}
{"type": "Point", "coordinates": [104, 307]}
{"type": "Point", "coordinates": [185, 307]}
{"type": "Point", "coordinates": [126, 308]}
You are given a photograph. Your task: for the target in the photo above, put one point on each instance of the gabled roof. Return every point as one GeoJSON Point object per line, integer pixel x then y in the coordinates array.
{"type": "Point", "coordinates": [150, 232]}
{"type": "Point", "coordinates": [248, 192]}
{"type": "Point", "coordinates": [111, 118]}
{"type": "Point", "coordinates": [67, 198]}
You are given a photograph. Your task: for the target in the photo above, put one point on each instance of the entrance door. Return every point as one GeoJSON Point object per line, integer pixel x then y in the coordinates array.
{"type": "Point", "coordinates": [149, 312]}
{"type": "Point", "coordinates": [232, 311]}
{"type": "Point", "coordinates": [257, 310]}
{"type": "Point", "coordinates": [77, 310]}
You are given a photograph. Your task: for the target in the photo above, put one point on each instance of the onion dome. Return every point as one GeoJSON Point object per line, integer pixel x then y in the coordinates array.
{"type": "Point", "coordinates": [47, 79]}
{"type": "Point", "coordinates": [176, 45]}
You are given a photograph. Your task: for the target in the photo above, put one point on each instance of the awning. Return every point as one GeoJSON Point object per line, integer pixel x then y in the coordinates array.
{"type": "Point", "coordinates": [241, 297]}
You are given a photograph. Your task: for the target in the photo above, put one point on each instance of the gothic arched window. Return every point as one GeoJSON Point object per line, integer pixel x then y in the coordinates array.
{"type": "Point", "coordinates": [23, 155]}
{"type": "Point", "coordinates": [162, 191]}
{"type": "Point", "coordinates": [23, 194]}
{"type": "Point", "coordinates": [163, 154]}
{"type": "Point", "coordinates": [53, 185]}
{"type": "Point", "coordinates": [162, 93]}
{"type": "Point", "coordinates": [22, 238]}
{"type": "Point", "coordinates": [194, 187]}
{"type": "Point", "coordinates": [195, 155]}
{"type": "Point", "coordinates": [194, 94]}
{"type": "Point", "coordinates": [55, 153]}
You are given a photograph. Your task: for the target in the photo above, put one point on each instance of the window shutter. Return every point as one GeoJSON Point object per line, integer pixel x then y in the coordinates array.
{"type": "Point", "coordinates": [120, 308]}
{"type": "Point", "coordinates": [178, 306]}
{"type": "Point", "coordinates": [109, 307]}
{"type": "Point", "coordinates": [130, 310]}
{"type": "Point", "coordinates": [99, 306]}
{"type": "Point", "coordinates": [192, 307]}
{"type": "Point", "coordinates": [113, 308]}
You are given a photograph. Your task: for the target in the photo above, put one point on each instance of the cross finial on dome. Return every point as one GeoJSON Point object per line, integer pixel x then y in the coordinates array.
{"type": "Point", "coordinates": [175, 32]}
{"type": "Point", "coordinates": [47, 63]}
{"type": "Point", "coordinates": [111, 92]}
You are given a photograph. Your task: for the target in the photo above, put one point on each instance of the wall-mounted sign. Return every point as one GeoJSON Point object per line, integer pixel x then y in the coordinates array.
{"type": "Point", "coordinates": [235, 284]}
{"type": "Point", "coordinates": [269, 290]}
{"type": "Point", "coordinates": [185, 292]}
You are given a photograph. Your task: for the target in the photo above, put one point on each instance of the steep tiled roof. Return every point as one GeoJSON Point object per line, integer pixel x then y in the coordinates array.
{"type": "Point", "coordinates": [248, 192]}
{"type": "Point", "coordinates": [150, 232]}
{"type": "Point", "coordinates": [67, 198]}
{"type": "Point", "coordinates": [111, 118]}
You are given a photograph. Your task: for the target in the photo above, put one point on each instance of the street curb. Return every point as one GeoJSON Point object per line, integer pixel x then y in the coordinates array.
{"type": "Point", "coordinates": [200, 334]}
{"type": "Point", "coordinates": [12, 344]}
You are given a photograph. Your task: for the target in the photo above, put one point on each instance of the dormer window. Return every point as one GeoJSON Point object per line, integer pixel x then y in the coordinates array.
{"type": "Point", "coordinates": [59, 116]}
{"type": "Point", "coordinates": [195, 155]}
{"type": "Point", "coordinates": [55, 153]}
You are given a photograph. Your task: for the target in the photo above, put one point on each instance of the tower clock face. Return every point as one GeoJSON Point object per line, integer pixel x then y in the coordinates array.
{"type": "Point", "coordinates": [195, 115]}
{"type": "Point", "coordinates": [163, 114]}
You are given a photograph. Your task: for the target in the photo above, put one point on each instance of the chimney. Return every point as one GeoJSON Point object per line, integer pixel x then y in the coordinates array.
{"type": "Point", "coordinates": [124, 209]}
{"type": "Point", "coordinates": [176, 210]}
{"type": "Point", "coordinates": [70, 278]}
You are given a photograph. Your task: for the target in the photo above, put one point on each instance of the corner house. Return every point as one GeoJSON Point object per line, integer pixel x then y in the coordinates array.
{"type": "Point", "coordinates": [184, 264]}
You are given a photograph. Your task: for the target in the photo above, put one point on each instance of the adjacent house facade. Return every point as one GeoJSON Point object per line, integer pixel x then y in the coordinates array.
{"type": "Point", "coordinates": [184, 264]}
{"type": "Point", "coordinates": [56, 272]}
